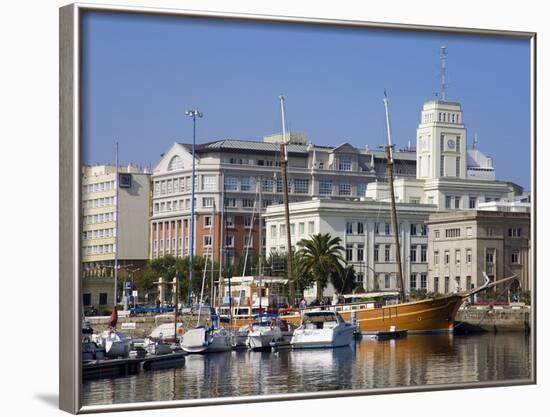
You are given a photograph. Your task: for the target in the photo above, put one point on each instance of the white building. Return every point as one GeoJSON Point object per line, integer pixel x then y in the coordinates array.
{"type": "Point", "coordinates": [99, 229]}
{"type": "Point", "coordinates": [365, 229]}
{"type": "Point", "coordinates": [448, 174]}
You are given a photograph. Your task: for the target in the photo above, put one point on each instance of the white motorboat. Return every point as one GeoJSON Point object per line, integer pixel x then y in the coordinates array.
{"type": "Point", "coordinates": [207, 337]}
{"type": "Point", "coordinates": [240, 337]}
{"type": "Point", "coordinates": [322, 329]}
{"type": "Point", "coordinates": [116, 344]}
{"type": "Point", "coordinates": [266, 330]}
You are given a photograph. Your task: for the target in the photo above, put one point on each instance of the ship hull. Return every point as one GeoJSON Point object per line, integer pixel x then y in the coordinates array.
{"type": "Point", "coordinates": [433, 315]}
{"type": "Point", "coordinates": [424, 316]}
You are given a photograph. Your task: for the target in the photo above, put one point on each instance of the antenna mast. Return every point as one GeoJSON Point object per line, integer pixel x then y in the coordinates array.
{"type": "Point", "coordinates": [443, 57]}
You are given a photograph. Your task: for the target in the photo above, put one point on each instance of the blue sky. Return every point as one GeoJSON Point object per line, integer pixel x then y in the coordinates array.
{"type": "Point", "coordinates": [140, 74]}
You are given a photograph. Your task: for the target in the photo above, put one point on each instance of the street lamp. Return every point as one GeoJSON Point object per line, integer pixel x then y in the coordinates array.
{"type": "Point", "coordinates": [194, 113]}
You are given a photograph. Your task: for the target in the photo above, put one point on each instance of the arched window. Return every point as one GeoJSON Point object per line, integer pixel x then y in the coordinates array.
{"type": "Point", "coordinates": [175, 163]}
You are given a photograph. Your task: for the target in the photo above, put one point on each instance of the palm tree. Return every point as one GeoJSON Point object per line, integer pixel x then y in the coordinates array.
{"type": "Point", "coordinates": [321, 255]}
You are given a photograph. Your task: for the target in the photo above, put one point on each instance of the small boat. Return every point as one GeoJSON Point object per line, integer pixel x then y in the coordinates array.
{"type": "Point", "coordinates": [206, 338]}
{"type": "Point", "coordinates": [91, 351]}
{"type": "Point", "coordinates": [322, 329]}
{"type": "Point", "coordinates": [116, 344]}
{"type": "Point", "coordinates": [240, 337]}
{"type": "Point", "coordinates": [267, 329]}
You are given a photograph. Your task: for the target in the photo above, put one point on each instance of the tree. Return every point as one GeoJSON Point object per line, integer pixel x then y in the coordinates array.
{"type": "Point", "coordinates": [343, 279]}
{"type": "Point", "coordinates": [321, 255]}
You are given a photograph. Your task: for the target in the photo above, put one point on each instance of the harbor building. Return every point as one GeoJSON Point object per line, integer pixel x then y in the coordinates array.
{"type": "Point", "coordinates": [464, 244]}
{"type": "Point", "coordinates": [449, 174]}
{"type": "Point", "coordinates": [239, 179]}
{"type": "Point", "coordinates": [103, 237]}
{"type": "Point", "coordinates": [364, 226]}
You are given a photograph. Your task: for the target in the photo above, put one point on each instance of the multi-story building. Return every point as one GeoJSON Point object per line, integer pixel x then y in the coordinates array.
{"type": "Point", "coordinates": [101, 237]}
{"type": "Point", "coordinates": [465, 244]}
{"type": "Point", "coordinates": [245, 173]}
{"type": "Point", "coordinates": [365, 230]}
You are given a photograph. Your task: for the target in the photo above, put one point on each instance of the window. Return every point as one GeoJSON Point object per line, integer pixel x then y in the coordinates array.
{"type": "Point", "coordinates": [209, 183]}
{"type": "Point", "coordinates": [490, 231]}
{"type": "Point", "coordinates": [387, 228]}
{"type": "Point", "coordinates": [450, 233]}
{"type": "Point", "coordinates": [490, 256]}
{"type": "Point", "coordinates": [349, 228]}
{"type": "Point", "coordinates": [386, 253]}
{"type": "Point", "coordinates": [230, 202]}
{"type": "Point", "coordinates": [457, 256]}
{"type": "Point", "coordinates": [207, 221]}
{"type": "Point", "coordinates": [412, 281]}
{"type": "Point", "coordinates": [413, 229]}
{"type": "Point", "coordinates": [473, 203]}
{"type": "Point", "coordinates": [267, 184]}
{"type": "Point", "coordinates": [301, 186]}
{"type": "Point", "coordinates": [311, 227]}
{"type": "Point", "coordinates": [87, 299]}
{"type": "Point", "coordinates": [360, 252]}
{"type": "Point", "coordinates": [102, 298]}
{"type": "Point", "coordinates": [514, 232]}
{"type": "Point", "coordinates": [273, 231]}
{"type": "Point", "coordinates": [457, 202]}
{"type": "Point", "coordinates": [436, 233]}
{"type": "Point", "coordinates": [386, 281]}
{"type": "Point", "coordinates": [248, 203]}
{"type": "Point", "coordinates": [344, 189]}
{"type": "Point", "coordinates": [175, 163]}
{"type": "Point", "coordinates": [229, 221]}
{"type": "Point", "coordinates": [424, 253]}
{"type": "Point", "coordinates": [413, 254]}
{"type": "Point", "coordinates": [229, 241]}
{"type": "Point", "coordinates": [360, 229]}
{"type": "Point", "coordinates": [469, 231]}
{"type": "Point", "coordinates": [376, 251]}
{"type": "Point", "coordinates": [436, 285]}
{"type": "Point", "coordinates": [376, 228]}
{"type": "Point", "coordinates": [514, 257]}
{"type": "Point", "coordinates": [446, 285]}
{"type": "Point", "coordinates": [344, 163]}
{"type": "Point", "coordinates": [349, 253]}
{"type": "Point", "coordinates": [292, 229]}
{"type": "Point", "coordinates": [414, 200]}
{"type": "Point", "coordinates": [230, 183]}
{"type": "Point", "coordinates": [469, 282]}
{"type": "Point", "coordinates": [248, 221]}
{"type": "Point", "coordinates": [442, 166]}
{"type": "Point", "coordinates": [468, 256]}
{"type": "Point", "coordinates": [457, 138]}
{"type": "Point", "coordinates": [325, 187]}
{"type": "Point", "coordinates": [423, 230]}
{"type": "Point", "coordinates": [436, 257]}
{"type": "Point", "coordinates": [361, 189]}
{"type": "Point", "coordinates": [447, 202]}
{"type": "Point", "coordinates": [266, 203]}
{"type": "Point", "coordinates": [208, 202]}
{"type": "Point", "coordinates": [301, 229]}
{"type": "Point", "coordinates": [246, 183]}
{"type": "Point", "coordinates": [248, 241]}
{"type": "Point", "coordinates": [423, 281]}
{"type": "Point", "coordinates": [457, 166]}
{"type": "Point", "coordinates": [458, 283]}
{"type": "Point", "coordinates": [169, 186]}
{"type": "Point", "coordinates": [447, 258]}
{"type": "Point", "coordinates": [207, 240]}
{"type": "Point", "coordinates": [282, 230]}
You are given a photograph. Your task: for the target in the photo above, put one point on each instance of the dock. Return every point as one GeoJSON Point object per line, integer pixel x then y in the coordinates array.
{"type": "Point", "coordinates": [387, 335]}
{"type": "Point", "coordinates": [110, 368]}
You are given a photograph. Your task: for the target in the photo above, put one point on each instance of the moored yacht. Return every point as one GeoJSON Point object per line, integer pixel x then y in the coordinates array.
{"type": "Point", "coordinates": [266, 330]}
{"type": "Point", "coordinates": [207, 337]}
{"type": "Point", "coordinates": [322, 329]}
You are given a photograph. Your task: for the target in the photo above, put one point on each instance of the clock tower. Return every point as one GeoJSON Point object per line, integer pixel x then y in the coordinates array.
{"type": "Point", "coordinates": [441, 141]}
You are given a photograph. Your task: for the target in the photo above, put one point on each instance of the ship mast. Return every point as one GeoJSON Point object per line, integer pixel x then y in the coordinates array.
{"type": "Point", "coordinates": [389, 165]}
{"type": "Point", "coordinates": [284, 174]}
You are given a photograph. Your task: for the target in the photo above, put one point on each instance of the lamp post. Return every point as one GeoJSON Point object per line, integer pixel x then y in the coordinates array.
{"type": "Point", "coordinates": [194, 113]}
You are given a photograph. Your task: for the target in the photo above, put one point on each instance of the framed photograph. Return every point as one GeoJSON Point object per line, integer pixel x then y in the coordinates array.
{"type": "Point", "coordinates": [260, 208]}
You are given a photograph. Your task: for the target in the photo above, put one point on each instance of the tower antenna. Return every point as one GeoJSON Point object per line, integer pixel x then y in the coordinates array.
{"type": "Point", "coordinates": [443, 57]}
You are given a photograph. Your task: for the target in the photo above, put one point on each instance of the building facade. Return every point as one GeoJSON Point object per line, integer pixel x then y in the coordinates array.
{"type": "Point", "coordinates": [367, 237]}
{"type": "Point", "coordinates": [465, 244]}
{"type": "Point", "coordinates": [100, 235]}
{"type": "Point", "coordinates": [238, 180]}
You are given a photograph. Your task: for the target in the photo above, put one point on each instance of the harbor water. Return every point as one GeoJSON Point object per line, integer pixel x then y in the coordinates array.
{"type": "Point", "coordinates": [412, 361]}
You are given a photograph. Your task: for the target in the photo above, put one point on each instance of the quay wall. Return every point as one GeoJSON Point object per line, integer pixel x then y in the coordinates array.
{"type": "Point", "coordinates": [144, 325]}
{"type": "Point", "coordinates": [494, 319]}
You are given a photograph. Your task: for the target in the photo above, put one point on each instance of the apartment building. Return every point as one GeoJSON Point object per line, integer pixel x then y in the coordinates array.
{"type": "Point", "coordinates": [238, 180]}
{"type": "Point", "coordinates": [102, 235]}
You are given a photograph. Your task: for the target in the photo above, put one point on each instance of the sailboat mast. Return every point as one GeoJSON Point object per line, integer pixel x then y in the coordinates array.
{"type": "Point", "coordinates": [389, 156]}
{"type": "Point", "coordinates": [116, 225]}
{"type": "Point", "coordinates": [260, 239]}
{"type": "Point", "coordinates": [284, 174]}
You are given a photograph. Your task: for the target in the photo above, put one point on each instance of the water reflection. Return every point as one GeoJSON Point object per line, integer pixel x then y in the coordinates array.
{"type": "Point", "coordinates": [414, 360]}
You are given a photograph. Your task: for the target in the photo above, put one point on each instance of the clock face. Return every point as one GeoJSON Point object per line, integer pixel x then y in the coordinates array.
{"type": "Point", "coordinates": [451, 144]}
